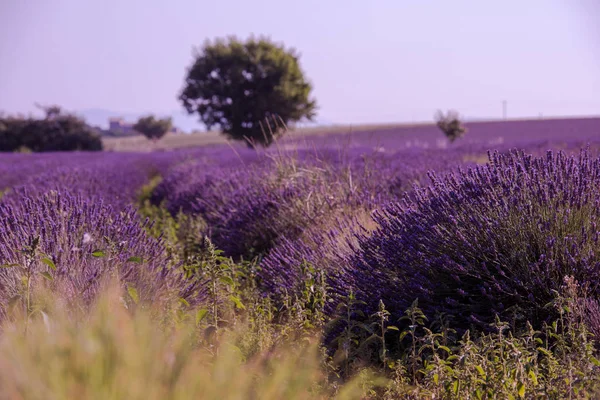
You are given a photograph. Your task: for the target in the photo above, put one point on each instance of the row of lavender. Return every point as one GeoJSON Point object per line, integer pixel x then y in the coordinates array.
{"type": "Point", "coordinates": [249, 207]}
{"type": "Point", "coordinates": [76, 210]}
{"type": "Point", "coordinates": [71, 216]}
{"type": "Point", "coordinates": [472, 244]}
{"type": "Point", "coordinates": [498, 239]}
{"type": "Point", "coordinates": [483, 240]}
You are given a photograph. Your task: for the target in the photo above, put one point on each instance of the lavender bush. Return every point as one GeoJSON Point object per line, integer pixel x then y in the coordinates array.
{"type": "Point", "coordinates": [372, 181]}
{"type": "Point", "coordinates": [250, 205]}
{"type": "Point", "coordinates": [318, 254]}
{"type": "Point", "coordinates": [82, 243]}
{"type": "Point", "coordinates": [248, 209]}
{"type": "Point", "coordinates": [496, 239]}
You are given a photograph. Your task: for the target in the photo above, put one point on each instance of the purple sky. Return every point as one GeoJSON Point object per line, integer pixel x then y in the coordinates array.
{"type": "Point", "coordinates": [378, 61]}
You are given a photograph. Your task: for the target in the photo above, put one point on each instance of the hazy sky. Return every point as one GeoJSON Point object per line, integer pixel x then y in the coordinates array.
{"type": "Point", "coordinates": [369, 61]}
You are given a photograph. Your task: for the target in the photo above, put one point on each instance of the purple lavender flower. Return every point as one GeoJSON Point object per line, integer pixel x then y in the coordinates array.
{"type": "Point", "coordinates": [509, 231]}
{"type": "Point", "coordinates": [88, 242]}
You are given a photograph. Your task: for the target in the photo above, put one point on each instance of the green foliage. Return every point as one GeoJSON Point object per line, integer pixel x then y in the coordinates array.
{"type": "Point", "coordinates": [558, 362]}
{"type": "Point", "coordinates": [22, 303]}
{"type": "Point", "coordinates": [206, 264]}
{"type": "Point", "coordinates": [153, 128]}
{"type": "Point", "coordinates": [305, 312]}
{"type": "Point", "coordinates": [346, 343]}
{"type": "Point", "coordinates": [58, 131]}
{"type": "Point", "coordinates": [450, 124]}
{"type": "Point", "coordinates": [180, 232]}
{"type": "Point", "coordinates": [250, 89]}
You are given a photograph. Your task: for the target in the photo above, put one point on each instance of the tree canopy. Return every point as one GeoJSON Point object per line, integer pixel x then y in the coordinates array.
{"type": "Point", "coordinates": [250, 90]}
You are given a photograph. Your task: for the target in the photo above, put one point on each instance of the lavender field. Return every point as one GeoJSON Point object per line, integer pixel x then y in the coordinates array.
{"type": "Point", "coordinates": [376, 264]}
{"type": "Point", "coordinates": [486, 133]}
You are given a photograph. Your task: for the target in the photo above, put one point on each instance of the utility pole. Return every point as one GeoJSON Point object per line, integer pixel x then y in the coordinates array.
{"type": "Point", "coordinates": [504, 109]}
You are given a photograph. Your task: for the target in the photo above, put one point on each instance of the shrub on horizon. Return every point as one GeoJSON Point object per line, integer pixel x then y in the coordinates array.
{"type": "Point", "coordinates": [58, 131]}
{"type": "Point", "coordinates": [450, 124]}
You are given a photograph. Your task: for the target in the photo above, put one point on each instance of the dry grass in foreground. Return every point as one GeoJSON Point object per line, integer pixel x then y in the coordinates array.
{"type": "Point", "coordinates": [114, 353]}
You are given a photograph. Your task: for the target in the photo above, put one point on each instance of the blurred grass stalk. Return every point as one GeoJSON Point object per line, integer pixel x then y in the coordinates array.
{"type": "Point", "coordinates": [113, 353]}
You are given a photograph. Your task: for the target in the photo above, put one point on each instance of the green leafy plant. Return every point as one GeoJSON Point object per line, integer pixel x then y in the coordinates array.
{"type": "Point", "coordinates": [220, 276]}
{"type": "Point", "coordinates": [28, 271]}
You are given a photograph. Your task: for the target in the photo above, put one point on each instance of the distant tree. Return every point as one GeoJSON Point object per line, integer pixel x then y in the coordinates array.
{"type": "Point", "coordinates": [153, 128]}
{"type": "Point", "coordinates": [250, 89]}
{"type": "Point", "coordinates": [57, 131]}
{"type": "Point", "coordinates": [450, 124]}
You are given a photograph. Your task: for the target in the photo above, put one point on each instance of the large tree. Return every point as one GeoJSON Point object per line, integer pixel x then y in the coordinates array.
{"type": "Point", "coordinates": [250, 90]}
